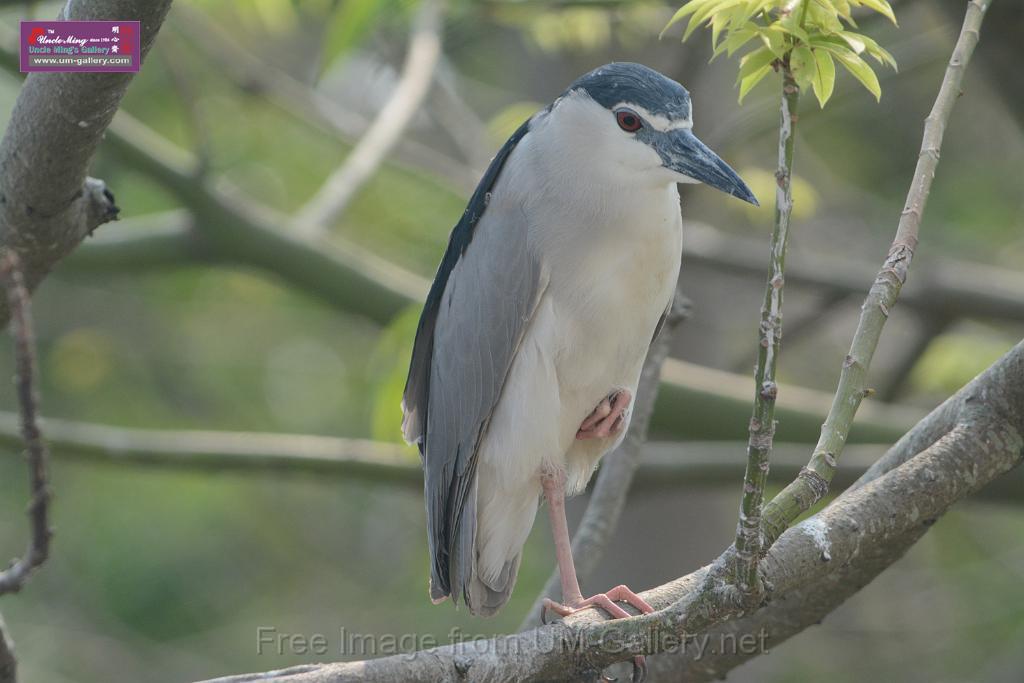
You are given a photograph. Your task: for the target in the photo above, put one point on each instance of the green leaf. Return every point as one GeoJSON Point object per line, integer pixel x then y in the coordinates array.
{"type": "Point", "coordinates": [718, 22]}
{"type": "Point", "coordinates": [803, 66]}
{"type": "Point", "coordinates": [825, 80]}
{"type": "Point", "coordinates": [862, 72]}
{"type": "Point", "coordinates": [843, 8]}
{"type": "Point", "coordinates": [853, 40]}
{"type": "Point", "coordinates": [791, 29]}
{"type": "Point", "coordinates": [736, 39]}
{"type": "Point", "coordinates": [774, 39]}
{"type": "Point", "coordinates": [878, 52]}
{"type": "Point", "coordinates": [755, 61]}
{"type": "Point", "coordinates": [704, 13]}
{"type": "Point", "coordinates": [753, 79]}
{"type": "Point", "coordinates": [882, 7]}
{"type": "Point", "coordinates": [822, 16]}
{"type": "Point", "coordinates": [683, 12]}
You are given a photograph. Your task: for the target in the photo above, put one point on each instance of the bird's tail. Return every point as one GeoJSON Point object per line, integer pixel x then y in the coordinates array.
{"type": "Point", "coordinates": [486, 551]}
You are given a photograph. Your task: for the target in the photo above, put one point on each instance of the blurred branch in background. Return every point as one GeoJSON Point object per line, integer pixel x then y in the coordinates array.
{"type": "Point", "coordinates": [17, 574]}
{"type": "Point", "coordinates": [361, 164]}
{"type": "Point", "coordinates": [253, 75]}
{"type": "Point", "coordinates": [666, 465]}
{"type": "Point", "coordinates": [233, 228]}
{"type": "Point", "coordinates": [59, 119]}
{"type": "Point", "coordinates": [946, 289]}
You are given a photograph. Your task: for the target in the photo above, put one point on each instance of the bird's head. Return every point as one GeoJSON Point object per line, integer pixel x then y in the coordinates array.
{"type": "Point", "coordinates": [639, 123]}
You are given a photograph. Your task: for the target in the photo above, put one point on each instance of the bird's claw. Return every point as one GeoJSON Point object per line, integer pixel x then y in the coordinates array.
{"type": "Point", "coordinates": [608, 418]}
{"type": "Point", "coordinates": [606, 601]}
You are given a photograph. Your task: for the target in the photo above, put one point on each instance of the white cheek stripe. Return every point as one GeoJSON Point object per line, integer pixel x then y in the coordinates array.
{"type": "Point", "coordinates": [659, 122]}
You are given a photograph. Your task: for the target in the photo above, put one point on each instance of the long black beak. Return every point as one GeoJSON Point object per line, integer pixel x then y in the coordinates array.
{"type": "Point", "coordinates": [685, 154]}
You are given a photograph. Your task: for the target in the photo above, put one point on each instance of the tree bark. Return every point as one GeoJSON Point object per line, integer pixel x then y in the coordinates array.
{"type": "Point", "coordinates": [47, 203]}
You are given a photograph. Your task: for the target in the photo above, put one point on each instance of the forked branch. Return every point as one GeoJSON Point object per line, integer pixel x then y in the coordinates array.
{"type": "Point", "coordinates": [813, 482]}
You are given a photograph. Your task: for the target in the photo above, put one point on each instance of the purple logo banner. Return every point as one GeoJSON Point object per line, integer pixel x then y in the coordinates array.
{"type": "Point", "coordinates": [80, 46]}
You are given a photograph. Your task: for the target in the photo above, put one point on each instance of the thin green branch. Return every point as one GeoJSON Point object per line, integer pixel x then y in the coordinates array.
{"type": "Point", "coordinates": [813, 482]}
{"type": "Point", "coordinates": [762, 422]}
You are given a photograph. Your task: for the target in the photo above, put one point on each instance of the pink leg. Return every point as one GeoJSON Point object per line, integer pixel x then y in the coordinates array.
{"type": "Point", "coordinates": [572, 598]}
{"type": "Point", "coordinates": [608, 417]}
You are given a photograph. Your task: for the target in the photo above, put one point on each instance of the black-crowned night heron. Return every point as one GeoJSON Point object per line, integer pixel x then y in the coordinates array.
{"type": "Point", "coordinates": [530, 345]}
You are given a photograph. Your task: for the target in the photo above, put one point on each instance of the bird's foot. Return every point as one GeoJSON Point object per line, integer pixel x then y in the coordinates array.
{"type": "Point", "coordinates": [606, 601]}
{"type": "Point", "coordinates": [608, 418]}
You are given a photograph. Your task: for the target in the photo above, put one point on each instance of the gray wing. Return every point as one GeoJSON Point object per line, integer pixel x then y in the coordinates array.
{"type": "Point", "coordinates": [479, 308]}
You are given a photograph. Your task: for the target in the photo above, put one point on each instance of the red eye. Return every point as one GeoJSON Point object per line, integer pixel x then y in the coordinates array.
{"type": "Point", "coordinates": [628, 121]}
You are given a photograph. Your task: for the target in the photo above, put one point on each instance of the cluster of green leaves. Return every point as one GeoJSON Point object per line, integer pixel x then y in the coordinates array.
{"type": "Point", "coordinates": [806, 36]}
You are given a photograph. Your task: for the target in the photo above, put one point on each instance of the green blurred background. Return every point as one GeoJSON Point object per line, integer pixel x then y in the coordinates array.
{"type": "Point", "coordinates": [165, 575]}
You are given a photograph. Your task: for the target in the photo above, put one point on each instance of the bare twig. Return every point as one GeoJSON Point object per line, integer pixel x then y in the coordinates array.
{"type": "Point", "coordinates": [383, 134]}
{"type": "Point", "coordinates": [813, 482]}
{"type": "Point", "coordinates": [15, 576]}
{"type": "Point", "coordinates": [615, 477]}
{"type": "Point", "coordinates": [762, 422]}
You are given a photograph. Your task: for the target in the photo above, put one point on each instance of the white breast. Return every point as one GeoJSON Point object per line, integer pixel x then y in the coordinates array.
{"type": "Point", "coordinates": [612, 248]}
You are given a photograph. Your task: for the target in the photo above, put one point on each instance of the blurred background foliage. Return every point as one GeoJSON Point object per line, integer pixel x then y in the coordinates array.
{"type": "Point", "coordinates": [162, 575]}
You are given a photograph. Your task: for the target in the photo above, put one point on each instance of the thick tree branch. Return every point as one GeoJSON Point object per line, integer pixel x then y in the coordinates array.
{"type": "Point", "coordinates": [813, 482]}
{"type": "Point", "coordinates": [826, 558]}
{"type": "Point", "coordinates": [47, 204]}
{"type": "Point", "coordinates": [383, 134]}
{"type": "Point", "coordinates": [966, 419]}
